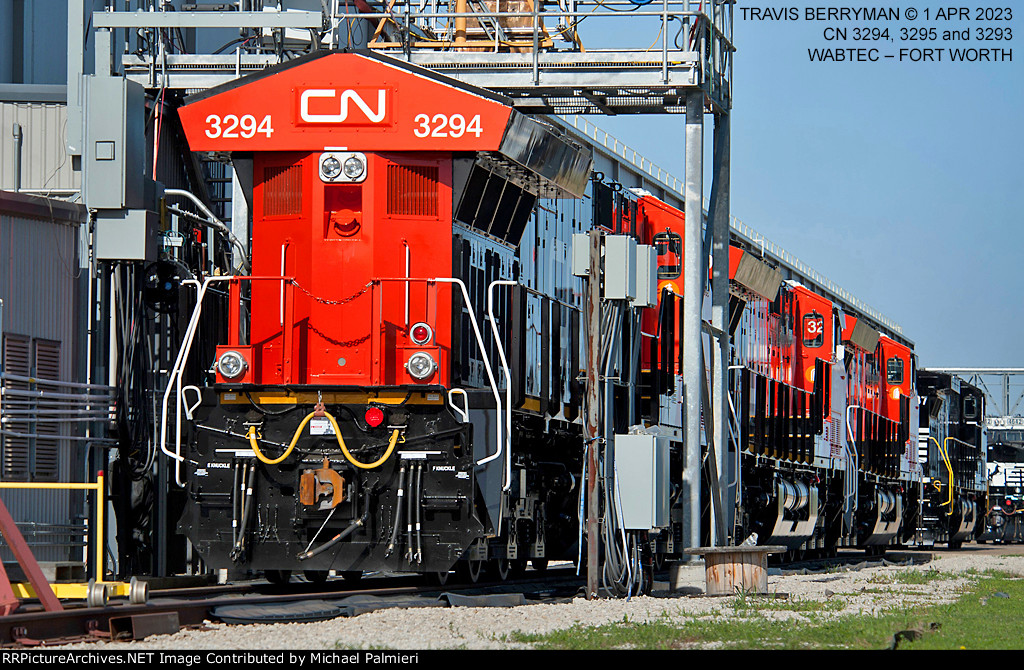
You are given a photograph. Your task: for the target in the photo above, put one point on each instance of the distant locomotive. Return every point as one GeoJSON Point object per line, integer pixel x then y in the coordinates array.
{"type": "Point", "coordinates": [953, 492]}
{"type": "Point", "coordinates": [396, 384]}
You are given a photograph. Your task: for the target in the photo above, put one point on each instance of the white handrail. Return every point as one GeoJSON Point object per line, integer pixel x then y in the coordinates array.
{"type": "Point", "coordinates": [175, 377]}
{"type": "Point", "coordinates": [508, 376]}
{"type": "Point", "coordinates": [851, 487]}
{"type": "Point", "coordinates": [483, 357]}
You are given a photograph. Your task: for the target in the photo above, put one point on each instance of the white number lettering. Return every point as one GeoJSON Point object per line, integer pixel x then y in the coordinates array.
{"type": "Point", "coordinates": [232, 124]}
{"type": "Point", "coordinates": [265, 127]}
{"type": "Point", "coordinates": [213, 131]}
{"type": "Point", "coordinates": [441, 120]}
{"type": "Point", "coordinates": [443, 125]}
{"type": "Point", "coordinates": [248, 123]}
{"type": "Point", "coordinates": [457, 122]}
{"type": "Point", "coordinates": [424, 125]}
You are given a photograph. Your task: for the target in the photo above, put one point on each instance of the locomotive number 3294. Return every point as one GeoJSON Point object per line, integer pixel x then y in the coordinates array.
{"type": "Point", "coordinates": [445, 125]}
{"type": "Point", "coordinates": [231, 126]}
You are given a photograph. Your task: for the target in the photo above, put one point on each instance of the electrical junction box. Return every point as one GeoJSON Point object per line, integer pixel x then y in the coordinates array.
{"type": "Point", "coordinates": [114, 148]}
{"type": "Point", "coordinates": [619, 267]}
{"type": "Point", "coordinates": [642, 480]}
{"type": "Point", "coordinates": [646, 276]}
{"type": "Point", "coordinates": [581, 254]}
{"type": "Point", "coordinates": [126, 235]}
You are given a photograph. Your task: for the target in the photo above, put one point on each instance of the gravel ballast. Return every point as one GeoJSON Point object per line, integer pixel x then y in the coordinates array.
{"type": "Point", "coordinates": [865, 591]}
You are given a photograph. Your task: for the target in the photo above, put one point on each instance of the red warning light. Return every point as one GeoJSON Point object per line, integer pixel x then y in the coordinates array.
{"type": "Point", "coordinates": [374, 416]}
{"type": "Point", "coordinates": [421, 333]}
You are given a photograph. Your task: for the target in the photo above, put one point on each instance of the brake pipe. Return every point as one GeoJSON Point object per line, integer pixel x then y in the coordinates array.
{"type": "Point", "coordinates": [254, 443]}
{"type": "Point", "coordinates": [336, 539]}
{"type": "Point", "coordinates": [408, 512]}
{"type": "Point", "coordinates": [419, 509]}
{"type": "Point", "coordinates": [398, 511]}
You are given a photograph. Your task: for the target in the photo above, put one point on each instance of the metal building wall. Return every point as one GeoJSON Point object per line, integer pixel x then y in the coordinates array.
{"type": "Point", "coordinates": [41, 114]}
{"type": "Point", "coordinates": [39, 280]}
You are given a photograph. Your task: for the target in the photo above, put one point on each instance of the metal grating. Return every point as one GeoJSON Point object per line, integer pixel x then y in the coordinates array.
{"type": "Point", "coordinates": [46, 452]}
{"type": "Point", "coordinates": [282, 190]}
{"type": "Point", "coordinates": [15, 458]}
{"type": "Point", "coordinates": [412, 190]}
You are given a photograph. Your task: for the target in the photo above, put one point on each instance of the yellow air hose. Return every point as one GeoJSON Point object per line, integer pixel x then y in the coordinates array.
{"type": "Point", "coordinates": [949, 467]}
{"type": "Point", "coordinates": [253, 442]}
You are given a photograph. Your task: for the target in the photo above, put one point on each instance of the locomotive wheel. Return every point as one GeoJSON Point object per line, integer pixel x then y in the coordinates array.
{"type": "Point", "coordinates": [470, 570]}
{"type": "Point", "coordinates": [539, 564]}
{"type": "Point", "coordinates": [277, 577]}
{"type": "Point", "coordinates": [501, 567]}
{"type": "Point", "coordinates": [440, 578]}
{"type": "Point", "coordinates": [318, 577]}
{"type": "Point", "coordinates": [352, 576]}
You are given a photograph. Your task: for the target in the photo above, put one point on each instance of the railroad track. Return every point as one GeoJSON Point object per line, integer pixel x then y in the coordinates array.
{"type": "Point", "coordinates": [168, 610]}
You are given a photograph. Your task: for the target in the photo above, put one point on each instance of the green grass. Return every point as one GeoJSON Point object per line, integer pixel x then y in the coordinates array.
{"type": "Point", "coordinates": [910, 577]}
{"type": "Point", "coordinates": [745, 604]}
{"type": "Point", "coordinates": [978, 620]}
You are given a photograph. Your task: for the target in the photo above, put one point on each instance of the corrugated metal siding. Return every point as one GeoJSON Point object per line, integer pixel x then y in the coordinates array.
{"type": "Point", "coordinates": [45, 164]}
{"type": "Point", "coordinates": [38, 285]}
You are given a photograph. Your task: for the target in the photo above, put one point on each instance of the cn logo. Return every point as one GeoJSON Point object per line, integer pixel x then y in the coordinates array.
{"type": "Point", "coordinates": [345, 101]}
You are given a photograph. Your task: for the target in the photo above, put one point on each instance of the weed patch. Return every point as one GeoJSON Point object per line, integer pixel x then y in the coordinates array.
{"type": "Point", "coordinates": [986, 616]}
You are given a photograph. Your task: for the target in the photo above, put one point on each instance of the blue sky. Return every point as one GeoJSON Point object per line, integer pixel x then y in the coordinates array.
{"type": "Point", "coordinates": [900, 181]}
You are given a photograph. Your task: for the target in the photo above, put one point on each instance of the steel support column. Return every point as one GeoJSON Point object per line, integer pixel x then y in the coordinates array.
{"type": "Point", "coordinates": [592, 418]}
{"type": "Point", "coordinates": [693, 289]}
{"type": "Point", "coordinates": [719, 231]}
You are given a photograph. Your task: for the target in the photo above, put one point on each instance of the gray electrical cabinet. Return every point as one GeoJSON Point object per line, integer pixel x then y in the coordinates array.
{"type": "Point", "coordinates": [126, 235]}
{"type": "Point", "coordinates": [619, 267]}
{"type": "Point", "coordinates": [115, 152]}
{"type": "Point", "coordinates": [642, 479]}
{"type": "Point", "coordinates": [646, 276]}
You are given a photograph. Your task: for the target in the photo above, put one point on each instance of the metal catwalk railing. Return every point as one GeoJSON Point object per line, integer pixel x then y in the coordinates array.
{"type": "Point", "coordinates": [661, 176]}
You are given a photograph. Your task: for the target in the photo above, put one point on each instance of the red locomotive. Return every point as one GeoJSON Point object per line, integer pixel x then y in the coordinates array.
{"type": "Point", "coordinates": [396, 385]}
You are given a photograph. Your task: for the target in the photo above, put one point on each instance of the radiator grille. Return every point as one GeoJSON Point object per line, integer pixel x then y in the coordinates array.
{"type": "Point", "coordinates": [282, 190]}
{"type": "Point", "coordinates": [412, 190]}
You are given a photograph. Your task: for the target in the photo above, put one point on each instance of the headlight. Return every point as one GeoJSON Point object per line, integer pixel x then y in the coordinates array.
{"type": "Point", "coordinates": [421, 365]}
{"type": "Point", "coordinates": [354, 167]}
{"type": "Point", "coordinates": [330, 167]}
{"type": "Point", "coordinates": [342, 167]}
{"type": "Point", "coordinates": [231, 365]}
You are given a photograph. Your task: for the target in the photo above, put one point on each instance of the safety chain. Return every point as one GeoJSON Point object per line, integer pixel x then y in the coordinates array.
{"type": "Point", "coordinates": [325, 301]}
{"type": "Point", "coordinates": [338, 343]}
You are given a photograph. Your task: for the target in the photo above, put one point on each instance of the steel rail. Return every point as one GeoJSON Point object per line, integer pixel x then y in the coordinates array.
{"type": "Point", "coordinates": [192, 606]}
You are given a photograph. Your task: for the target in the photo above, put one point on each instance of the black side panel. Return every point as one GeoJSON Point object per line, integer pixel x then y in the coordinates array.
{"type": "Point", "coordinates": [603, 205]}
{"type": "Point", "coordinates": [668, 342]}
{"type": "Point", "coordinates": [555, 352]}
{"type": "Point", "coordinates": [736, 307]}
{"type": "Point", "coordinates": [460, 261]}
{"type": "Point", "coordinates": [574, 366]}
{"type": "Point", "coordinates": [744, 401]}
{"type": "Point", "coordinates": [545, 356]}
{"type": "Point", "coordinates": [517, 346]}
